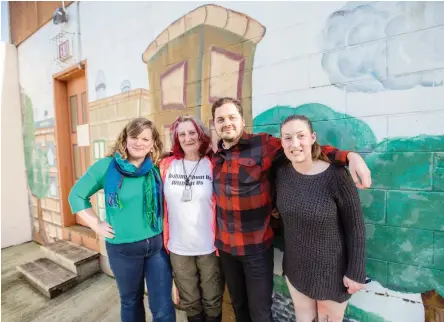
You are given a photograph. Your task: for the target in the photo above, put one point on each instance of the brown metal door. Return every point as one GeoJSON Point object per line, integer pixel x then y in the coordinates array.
{"type": "Point", "coordinates": [78, 111]}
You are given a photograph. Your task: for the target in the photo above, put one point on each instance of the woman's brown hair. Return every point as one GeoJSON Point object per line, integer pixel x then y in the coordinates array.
{"type": "Point", "coordinates": [133, 129]}
{"type": "Point", "coordinates": [316, 151]}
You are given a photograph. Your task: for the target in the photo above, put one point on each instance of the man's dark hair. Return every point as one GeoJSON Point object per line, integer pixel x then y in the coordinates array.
{"type": "Point", "coordinates": [223, 100]}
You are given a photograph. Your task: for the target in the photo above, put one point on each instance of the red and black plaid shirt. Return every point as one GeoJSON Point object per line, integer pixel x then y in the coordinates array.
{"type": "Point", "coordinates": [243, 192]}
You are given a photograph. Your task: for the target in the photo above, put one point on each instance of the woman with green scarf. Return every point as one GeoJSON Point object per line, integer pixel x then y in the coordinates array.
{"type": "Point", "coordinates": [133, 227]}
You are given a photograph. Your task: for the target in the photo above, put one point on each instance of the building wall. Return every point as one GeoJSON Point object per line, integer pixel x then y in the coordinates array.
{"type": "Point", "coordinates": [29, 16]}
{"type": "Point", "coordinates": [5, 30]}
{"type": "Point", "coordinates": [16, 223]}
{"type": "Point", "coordinates": [369, 75]}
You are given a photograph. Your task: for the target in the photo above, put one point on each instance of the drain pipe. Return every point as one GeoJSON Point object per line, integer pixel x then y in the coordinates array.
{"type": "Point", "coordinates": [79, 47]}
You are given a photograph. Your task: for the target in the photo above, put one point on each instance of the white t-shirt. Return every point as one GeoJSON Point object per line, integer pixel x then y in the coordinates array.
{"type": "Point", "coordinates": [190, 222]}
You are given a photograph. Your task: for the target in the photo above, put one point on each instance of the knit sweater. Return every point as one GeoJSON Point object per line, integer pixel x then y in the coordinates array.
{"type": "Point", "coordinates": [324, 231]}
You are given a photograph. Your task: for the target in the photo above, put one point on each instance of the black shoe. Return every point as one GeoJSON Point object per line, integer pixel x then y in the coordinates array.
{"type": "Point", "coordinates": [196, 318]}
{"type": "Point", "coordinates": [214, 318]}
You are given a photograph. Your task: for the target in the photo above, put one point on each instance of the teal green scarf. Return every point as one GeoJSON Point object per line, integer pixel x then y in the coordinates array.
{"type": "Point", "coordinates": [152, 187]}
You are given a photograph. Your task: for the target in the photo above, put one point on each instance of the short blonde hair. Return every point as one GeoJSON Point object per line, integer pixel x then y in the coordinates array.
{"type": "Point", "coordinates": [133, 129]}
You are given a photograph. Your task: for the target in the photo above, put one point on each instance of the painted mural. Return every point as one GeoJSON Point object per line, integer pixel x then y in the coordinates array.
{"type": "Point", "coordinates": [370, 75]}
{"type": "Point", "coordinates": [209, 53]}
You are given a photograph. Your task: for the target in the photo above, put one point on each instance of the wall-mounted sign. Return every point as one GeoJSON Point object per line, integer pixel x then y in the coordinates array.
{"type": "Point", "coordinates": [64, 50]}
{"type": "Point", "coordinates": [83, 135]}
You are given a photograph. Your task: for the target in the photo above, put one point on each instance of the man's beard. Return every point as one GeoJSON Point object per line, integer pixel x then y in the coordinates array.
{"type": "Point", "coordinates": [229, 140]}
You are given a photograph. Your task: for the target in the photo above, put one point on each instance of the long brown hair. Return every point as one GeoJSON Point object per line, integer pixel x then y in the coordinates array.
{"type": "Point", "coordinates": [316, 151]}
{"type": "Point", "coordinates": [133, 129]}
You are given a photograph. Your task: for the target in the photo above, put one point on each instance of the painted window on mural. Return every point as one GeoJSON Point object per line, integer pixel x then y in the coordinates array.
{"type": "Point", "coordinates": [74, 113]}
{"type": "Point", "coordinates": [226, 73]}
{"type": "Point", "coordinates": [53, 187]}
{"type": "Point", "coordinates": [173, 87]}
{"type": "Point", "coordinates": [99, 149]}
{"type": "Point", "coordinates": [77, 161]}
{"type": "Point", "coordinates": [84, 107]}
{"type": "Point", "coordinates": [51, 155]}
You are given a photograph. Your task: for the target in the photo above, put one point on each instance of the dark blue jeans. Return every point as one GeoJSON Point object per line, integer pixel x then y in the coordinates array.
{"type": "Point", "coordinates": [133, 263]}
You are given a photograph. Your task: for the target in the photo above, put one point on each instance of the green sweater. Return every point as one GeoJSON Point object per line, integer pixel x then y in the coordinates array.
{"type": "Point", "coordinates": [130, 224]}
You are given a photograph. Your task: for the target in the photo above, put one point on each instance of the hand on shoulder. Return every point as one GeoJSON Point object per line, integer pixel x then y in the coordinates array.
{"type": "Point", "coordinates": [359, 171]}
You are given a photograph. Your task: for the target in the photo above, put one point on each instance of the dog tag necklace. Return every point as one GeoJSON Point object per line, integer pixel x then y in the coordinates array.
{"type": "Point", "coordinates": [186, 194]}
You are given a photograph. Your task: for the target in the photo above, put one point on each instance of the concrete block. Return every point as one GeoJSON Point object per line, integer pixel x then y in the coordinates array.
{"type": "Point", "coordinates": [401, 245]}
{"type": "Point", "coordinates": [34, 212]}
{"type": "Point", "coordinates": [114, 129]}
{"type": "Point", "coordinates": [317, 75]}
{"type": "Point", "coordinates": [128, 109]}
{"type": "Point", "coordinates": [402, 170]}
{"type": "Point", "coordinates": [103, 130]}
{"type": "Point", "coordinates": [438, 79]}
{"type": "Point", "coordinates": [59, 233]}
{"type": "Point", "coordinates": [414, 279]}
{"type": "Point", "coordinates": [47, 215]}
{"type": "Point", "coordinates": [350, 64]}
{"type": "Point", "coordinates": [34, 201]}
{"type": "Point", "coordinates": [57, 218]}
{"type": "Point", "coordinates": [438, 248]}
{"type": "Point", "coordinates": [52, 230]}
{"type": "Point", "coordinates": [145, 107]}
{"type": "Point", "coordinates": [349, 134]}
{"type": "Point", "coordinates": [373, 205]}
{"type": "Point", "coordinates": [377, 270]}
{"type": "Point", "coordinates": [330, 96]}
{"type": "Point", "coordinates": [281, 77]}
{"type": "Point", "coordinates": [304, 35]}
{"type": "Point", "coordinates": [416, 51]}
{"type": "Point", "coordinates": [415, 209]}
{"type": "Point", "coordinates": [409, 125]}
{"type": "Point", "coordinates": [93, 116]}
{"type": "Point", "coordinates": [107, 113]}
{"type": "Point", "coordinates": [386, 101]}
{"type": "Point", "coordinates": [422, 143]}
{"type": "Point", "coordinates": [438, 171]}
{"type": "Point", "coordinates": [36, 225]}
{"type": "Point", "coordinates": [52, 204]}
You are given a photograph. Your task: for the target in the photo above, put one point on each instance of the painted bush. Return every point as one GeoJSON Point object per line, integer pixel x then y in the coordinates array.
{"type": "Point", "coordinates": [36, 163]}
